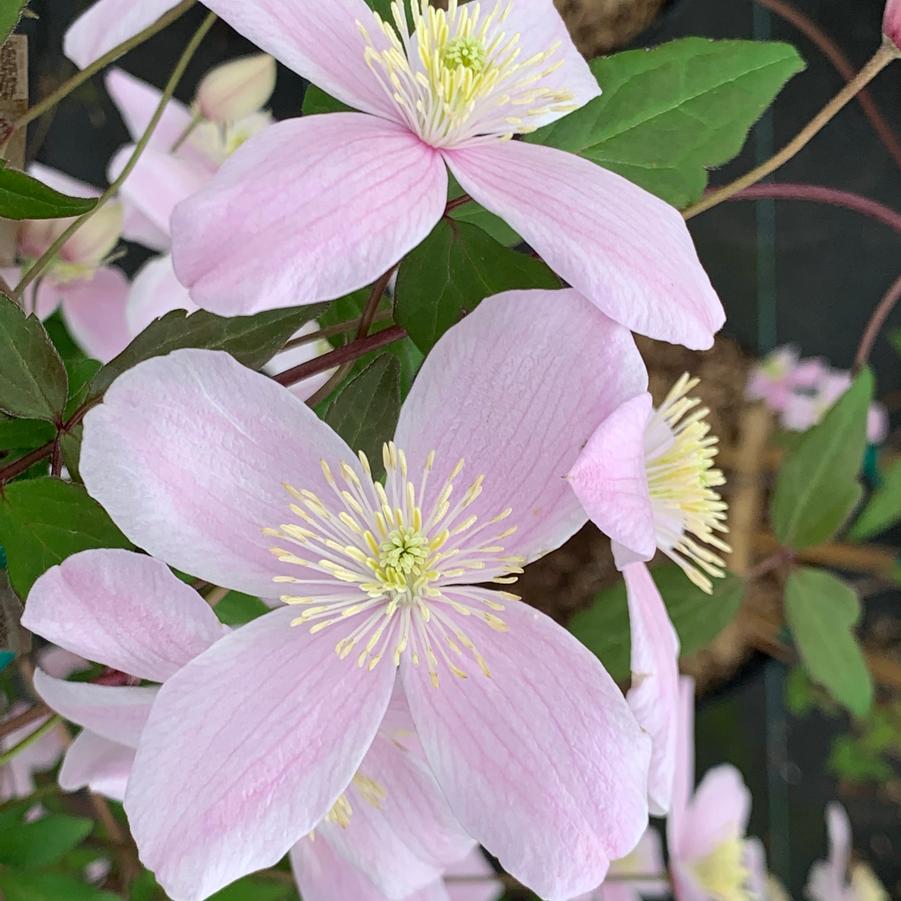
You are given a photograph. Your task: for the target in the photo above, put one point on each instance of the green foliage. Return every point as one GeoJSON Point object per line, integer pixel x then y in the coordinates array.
{"type": "Point", "coordinates": [10, 13]}
{"type": "Point", "coordinates": [24, 434]}
{"type": "Point", "coordinates": [817, 487]}
{"type": "Point", "coordinates": [19, 885]}
{"type": "Point", "coordinates": [24, 197]}
{"type": "Point", "coordinates": [255, 888]}
{"type": "Point", "coordinates": [45, 520]}
{"type": "Point", "coordinates": [43, 842]}
{"type": "Point", "coordinates": [698, 617]}
{"type": "Point", "coordinates": [365, 411]}
{"type": "Point", "coordinates": [669, 114]}
{"type": "Point", "coordinates": [236, 609]}
{"type": "Point", "coordinates": [883, 510]}
{"type": "Point", "coordinates": [451, 272]}
{"type": "Point", "coordinates": [822, 612]}
{"type": "Point", "coordinates": [33, 382]}
{"type": "Point", "coordinates": [316, 102]}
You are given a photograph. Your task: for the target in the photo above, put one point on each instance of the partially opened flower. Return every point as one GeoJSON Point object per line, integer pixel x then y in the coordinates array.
{"type": "Point", "coordinates": [91, 293]}
{"type": "Point", "coordinates": [837, 879]}
{"type": "Point", "coordinates": [709, 854]}
{"type": "Point", "coordinates": [236, 89]}
{"type": "Point", "coordinates": [640, 874]}
{"type": "Point", "coordinates": [647, 479]}
{"type": "Point", "coordinates": [229, 477]}
{"type": "Point", "coordinates": [438, 89]}
{"type": "Point", "coordinates": [891, 23]}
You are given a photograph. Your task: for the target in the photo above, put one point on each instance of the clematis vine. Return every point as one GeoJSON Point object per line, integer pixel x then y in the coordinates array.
{"type": "Point", "coordinates": [228, 476]}
{"type": "Point", "coordinates": [438, 90]}
{"type": "Point", "coordinates": [837, 879]}
{"type": "Point", "coordinates": [130, 612]}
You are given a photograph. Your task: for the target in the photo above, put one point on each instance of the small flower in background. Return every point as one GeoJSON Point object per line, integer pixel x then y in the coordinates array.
{"type": "Point", "coordinates": [838, 879]}
{"type": "Point", "coordinates": [231, 478]}
{"type": "Point", "coordinates": [623, 882]}
{"type": "Point", "coordinates": [891, 23]}
{"type": "Point", "coordinates": [776, 378]}
{"type": "Point", "coordinates": [236, 89]}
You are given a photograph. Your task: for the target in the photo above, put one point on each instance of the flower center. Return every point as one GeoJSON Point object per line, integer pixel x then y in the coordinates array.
{"type": "Point", "coordinates": [723, 874]}
{"type": "Point", "coordinates": [459, 75]}
{"type": "Point", "coordinates": [680, 458]}
{"type": "Point", "coordinates": [865, 886]}
{"type": "Point", "coordinates": [392, 565]}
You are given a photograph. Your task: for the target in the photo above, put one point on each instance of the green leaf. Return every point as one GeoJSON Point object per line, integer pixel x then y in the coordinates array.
{"type": "Point", "coordinates": [698, 617]}
{"type": "Point", "coordinates": [251, 340]}
{"type": "Point", "coordinates": [316, 102]}
{"type": "Point", "coordinates": [256, 889]}
{"type": "Point", "coordinates": [43, 842]}
{"type": "Point", "coordinates": [10, 13]}
{"type": "Point", "coordinates": [33, 382]}
{"type": "Point", "coordinates": [817, 487]}
{"type": "Point", "coordinates": [669, 114]}
{"type": "Point", "coordinates": [451, 272]}
{"type": "Point", "coordinates": [24, 197]}
{"type": "Point", "coordinates": [851, 760]}
{"type": "Point", "coordinates": [475, 214]}
{"type": "Point", "coordinates": [24, 434]}
{"type": "Point", "coordinates": [822, 612]}
{"type": "Point", "coordinates": [883, 509]}
{"type": "Point", "coordinates": [45, 520]}
{"type": "Point", "coordinates": [237, 609]}
{"type": "Point", "coordinates": [365, 411]}
{"type": "Point", "coordinates": [19, 885]}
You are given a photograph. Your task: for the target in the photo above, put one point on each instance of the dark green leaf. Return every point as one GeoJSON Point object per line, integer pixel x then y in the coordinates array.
{"type": "Point", "coordinates": [365, 411]}
{"type": "Point", "coordinates": [43, 842]}
{"type": "Point", "coordinates": [43, 521]}
{"type": "Point", "coordinates": [822, 612]}
{"type": "Point", "coordinates": [20, 885]}
{"type": "Point", "coordinates": [70, 448]}
{"type": "Point", "coordinates": [33, 382]}
{"type": "Point", "coordinates": [81, 372]}
{"type": "Point", "coordinates": [817, 487]}
{"type": "Point", "coordinates": [24, 434]}
{"type": "Point", "coordinates": [316, 102]}
{"type": "Point", "coordinates": [252, 340]}
{"type": "Point", "coordinates": [475, 214]}
{"type": "Point", "coordinates": [10, 13]}
{"type": "Point", "coordinates": [256, 889]}
{"type": "Point", "coordinates": [669, 114]}
{"type": "Point", "coordinates": [451, 272]}
{"type": "Point", "coordinates": [698, 617]}
{"type": "Point", "coordinates": [236, 609]}
{"type": "Point", "coordinates": [883, 509]}
{"type": "Point", "coordinates": [24, 197]}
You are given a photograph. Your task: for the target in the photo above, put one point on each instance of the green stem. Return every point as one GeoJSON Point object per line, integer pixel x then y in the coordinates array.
{"type": "Point", "coordinates": [29, 740]}
{"type": "Point", "coordinates": [81, 77]}
{"type": "Point", "coordinates": [49, 255]}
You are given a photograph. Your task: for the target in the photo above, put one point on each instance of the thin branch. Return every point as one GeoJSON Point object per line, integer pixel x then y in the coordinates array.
{"type": "Point", "coordinates": [29, 740]}
{"type": "Point", "coordinates": [32, 715]}
{"type": "Point", "coordinates": [877, 321]}
{"type": "Point", "coordinates": [330, 331]}
{"type": "Point", "coordinates": [821, 194]}
{"type": "Point", "coordinates": [883, 56]}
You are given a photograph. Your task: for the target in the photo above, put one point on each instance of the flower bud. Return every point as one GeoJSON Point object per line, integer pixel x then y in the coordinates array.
{"type": "Point", "coordinates": [891, 24]}
{"type": "Point", "coordinates": [236, 89]}
{"type": "Point", "coordinates": [94, 241]}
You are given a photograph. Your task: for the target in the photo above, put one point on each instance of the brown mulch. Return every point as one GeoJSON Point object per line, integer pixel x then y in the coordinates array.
{"type": "Point", "coordinates": [600, 26]}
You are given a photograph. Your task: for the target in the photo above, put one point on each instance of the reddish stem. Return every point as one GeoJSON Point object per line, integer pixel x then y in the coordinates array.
{"type": "Point", "coordinates": [877, 321]}
{"type": "Point", "coordinates": [32, 715]}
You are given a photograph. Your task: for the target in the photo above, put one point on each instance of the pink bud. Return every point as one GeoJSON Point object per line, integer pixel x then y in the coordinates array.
{"type": "Point", "coordinates": [93, 242]}
{"type": "Point", "coordinates": [891, 24]}
{"type": "Point", "coordinates": [236, 89]}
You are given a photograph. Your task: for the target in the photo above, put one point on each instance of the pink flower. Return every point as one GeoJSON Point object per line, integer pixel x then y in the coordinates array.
{"type": "Point", "coordinates": [647, 479]}
{"type": "Point", "coordinates": [236, 89]}
{"type": "Point", "coordinates": [645, 860]}
{"type": "Point", "coordinates": [130, 612]}
{"type": "Point", "coordinates": [891, 24]}
{"type": "Point", "coordinates": [776, 379]}
{"type": "Point", "coordinates": [91, 293]}
{"type": "Point", "coordinates": [837, 879]}
{"type": "Point", "coordinates": [229, 477]}
{"type": "Point", "coordinates": [314, 208]}
{"type": "Point", "coordinates": [709, 855]}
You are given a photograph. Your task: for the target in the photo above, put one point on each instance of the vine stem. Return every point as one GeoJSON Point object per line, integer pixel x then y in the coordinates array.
{"type": "Point", "coordinates": [29, 740]}
{"type": "Point", "coordinates": [32, 715]}
{"type": "Point", "coordinates": [876, 323]}
{"type": "Point", "coordinates": [49, 255]}
{"type": "Point", "coordinates": [111, 56]}
{"type": "Point", "coordinates": [883, 56]}
{"type": "Point", "coordinates": [330, 331]}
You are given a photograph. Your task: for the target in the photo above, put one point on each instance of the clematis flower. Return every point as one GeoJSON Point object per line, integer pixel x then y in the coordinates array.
{"type": "Point", "coordinates": [438, 90]}
{"type": "Point", "coordinates": [130, 612]}
{"type": "Point", "coordinates": [891, 23]}
{"type": "Point", "coordinates": [236, 89]}
{"type": "Point", "coordinates": [645, 860]}
{"type": "Point", "coordinates": [781, 375]}
{"type": "Point", "coordinates": [647, 479]}
{"type": "Point", "coordinates": [229, 477]}
{"type": "Point", "coordinates": [91, 294]}
{"type": "Point", "coordinates": [709, 854]}
{"type": "Point", "coordinates": [837, 879]}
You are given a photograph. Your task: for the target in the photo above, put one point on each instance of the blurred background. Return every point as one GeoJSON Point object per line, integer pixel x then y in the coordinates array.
{"type": "Point", "coordinates": [788, 272]}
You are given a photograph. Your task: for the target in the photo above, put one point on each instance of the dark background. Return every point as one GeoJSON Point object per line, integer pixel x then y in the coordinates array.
{"type": "Point", "coordinates": [787, 272]}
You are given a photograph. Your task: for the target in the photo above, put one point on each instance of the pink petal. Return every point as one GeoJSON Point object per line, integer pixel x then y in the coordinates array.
{"type": "Point", "coordinates": [16, 777]}
{"type": "Point", "coordinates": [610, 478]}
{"type": "Point", "coordinates": [654, 695]}
{"type": "Point", "coordinates": [107, 24]}
{"type": "Point", "coordinates": [155, 291]}
{"type": "Point", "coordinates": [499, 392]}
{"type": "Point", "coordinates": [684, 778]}
{"type": "Point", "coordinates": [718, 811]}
{"type": "Point", "coordinates": [288, 359]}
{"type": "Point", "coordinates": [138, 228]}
{"type": "Point", "coordinates": [625, 250]}
{"type": "Point", "coordinates": [542, 762]}
{"type": "Point", "coordinates": [137, 101]}
{"type": "Point", "coordinates": [246, 750]}
{"type": "Point", "coordinates": [117, 713]}
{"type": "Point", "coordinates": [308, 210]}
{"type": "Point", "coordinates": [407, 841]}
{"type": "Point", "coordinates": [539, 27]}
{"type": "Point", "coordinates": [122, 609]}
{"type": "Point", "coordinates": [60, 663]}
{"type": "Point", "coordinates": [838, 827]}
{"type": "Point", "coordinates": [320, 41]}
{"type": "Point", "coordinates": [199, 474]}
{"type": "Point", "coordinates": [476, 879]}
{"type": "Point", "coordinates": [94, 310]}
{"type": "Point", "coordinates": [59, 181]}
{"type": "Point", "coordinates": [98, 764]}
{"type": "Point", "coordinates": [891, 23]}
